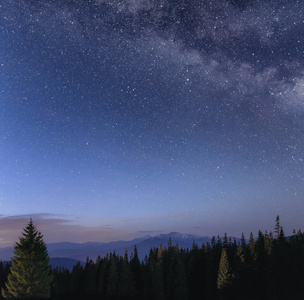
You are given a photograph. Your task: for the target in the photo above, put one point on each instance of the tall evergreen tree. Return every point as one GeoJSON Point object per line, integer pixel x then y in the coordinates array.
{"type": "Point", "coordinates": [2, 277]}
{"type": "Point", "coordinates": [30, 272]}
{"type": "Point", "coordinates": [136, 270]}
{"type": "Point", "coordinates": [113, 277]}
{"type": "Point", "coordinates": [61, 281]}
{"type": "Point", "coordinates": [277, 227]}
{"type": "Point", "coordinates": [251, 246]}
{"type": "Point", "coordinates": [103, 277]}
{"type": "Point", "coordinates": [224, 274]}
{"type": "Point", "coordinates": [90, 275]}
{"type": "Point", "coordinates": [169, 242]}
{"type": "Point", "coordinates": [126, 286]}
{"type": "Point", "coordinates": [76, 281]}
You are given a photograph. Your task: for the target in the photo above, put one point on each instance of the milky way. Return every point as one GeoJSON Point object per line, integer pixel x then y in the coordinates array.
{"type": "Point", "coordinates": [153, 115]}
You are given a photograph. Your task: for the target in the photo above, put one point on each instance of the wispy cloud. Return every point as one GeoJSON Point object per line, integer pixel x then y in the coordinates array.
{"type": "Point", "coordinates": [56, 228]}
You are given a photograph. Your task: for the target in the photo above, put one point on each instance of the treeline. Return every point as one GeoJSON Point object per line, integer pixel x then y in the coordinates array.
{"type": "Point", "coordinates": [269, 266]}
{"type": "Point", "coordinates": [4, 271]}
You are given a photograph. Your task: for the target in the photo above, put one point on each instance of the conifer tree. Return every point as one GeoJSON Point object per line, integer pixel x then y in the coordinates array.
{"type": "Point", "coordinates": [169, 243]}
{"type": "Point", "coordinates": [126, 286]}
{"type": "Point", "coordinates": [113, 276]}
{"type": "Point", "coordinates": [224, 275]}
{"type": "Point", "coordinates": [277, 227]}
{"type": "Point", "coordinates": [30, 272]}
{"type": "Point", "coordinates": [243, 242]}
{"type": "Point", "coordinates": [136, 270]}
{"type": "Point", "coordinates": [225, 242]}
{"type": "Point", "coordinates": [76, 281]}
{"type": "Point", "coordinates": [160, 252]}
{"type": "Point", "coordinates": [103, 276]}
{"type": "Point", "coordinates": [90, 274]}
{"type": "Point", "coordinates": [158, 276]}
{"type": "Point", "coordinates": [251, 246]}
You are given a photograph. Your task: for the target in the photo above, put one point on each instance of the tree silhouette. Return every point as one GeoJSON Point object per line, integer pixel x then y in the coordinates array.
{"type": "Point", "coordinates": [30, 272]}
{"type": "Point", "coordinates": [277, 227]}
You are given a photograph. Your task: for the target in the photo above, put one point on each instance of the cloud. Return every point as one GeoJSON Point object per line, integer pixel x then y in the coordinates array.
{"type": "Point", "coordinates": [56, 228]}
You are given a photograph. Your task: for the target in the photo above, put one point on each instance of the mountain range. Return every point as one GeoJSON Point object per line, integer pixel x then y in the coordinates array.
{"type": "Point", "coordinates": [67, 254]}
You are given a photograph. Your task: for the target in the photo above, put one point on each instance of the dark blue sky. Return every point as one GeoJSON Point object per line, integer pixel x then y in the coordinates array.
{"type": "Point", "coordinates": [151, 116]}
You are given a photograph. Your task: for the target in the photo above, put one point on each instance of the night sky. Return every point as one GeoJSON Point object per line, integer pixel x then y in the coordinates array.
{"type": "Point", "coordinates": [127, 117]}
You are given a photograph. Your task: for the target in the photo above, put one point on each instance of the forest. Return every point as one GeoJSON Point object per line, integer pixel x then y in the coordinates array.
{"type": "Point", "coordinates": [268, 266]}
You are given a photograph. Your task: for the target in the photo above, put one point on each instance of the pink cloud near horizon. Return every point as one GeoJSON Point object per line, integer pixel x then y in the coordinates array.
{"type": "Point", "coordinates": [56, 228]}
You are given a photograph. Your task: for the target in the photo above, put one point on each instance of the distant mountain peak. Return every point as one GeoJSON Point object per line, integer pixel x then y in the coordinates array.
{"type": "Point", "coordinates": [177, 235]}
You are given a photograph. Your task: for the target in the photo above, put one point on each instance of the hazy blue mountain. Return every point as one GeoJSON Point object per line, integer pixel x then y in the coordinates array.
{"type": "Point", "coordinates": [91, 249]}
{"type": "Point", "coordinates": [79, 252]}
{"type": "Point", "coordinates": [6, 253]}
{"type": "Point", "coordinates": [67, 263]}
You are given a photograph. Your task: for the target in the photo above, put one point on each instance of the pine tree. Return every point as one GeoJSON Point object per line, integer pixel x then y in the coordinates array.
{"type": "Point", "coordinates": [76, 281]}
{"type": "Point", "coordinates": [2, 282]}
{"type": "Point", "coordinates": [224, 275]}
{"type": "Point", "coordinates": [113, 276]}
{"type": "Point", "coordinates": [277, 227]}
{"type": "Point", "coordinates": [136, 270]}
{"type": "Point", "coordinates": [103, 277]}
{"type": "Point", "coordinates": [251, 247]}
{"type": "Point", "coordinates": [225, 242]}
{"type": "Point", "coordinates": [169, 243]}
{"type": "Point", "coordinates": [30, 274]}
{"type": "Point", "coordinates": [90, 274]}
{"type": "Point", "coordinates": [126, 287]}
{"type": "Point", "coordinates": [243, 242]}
